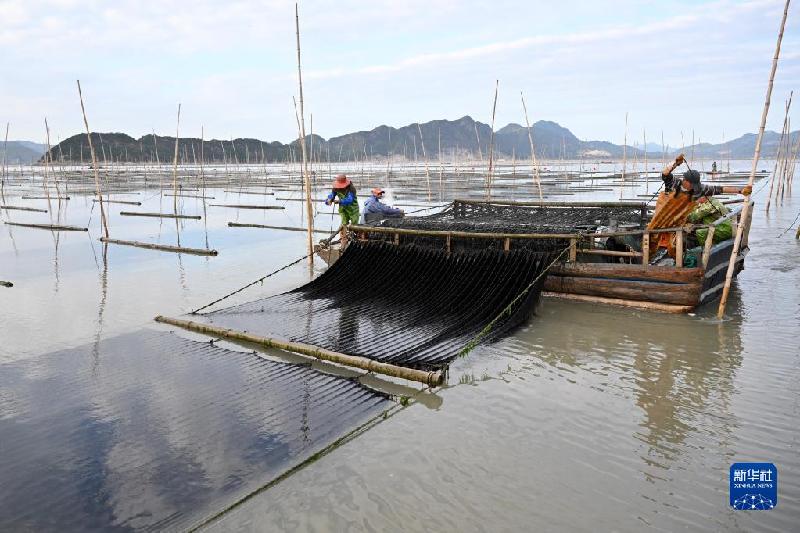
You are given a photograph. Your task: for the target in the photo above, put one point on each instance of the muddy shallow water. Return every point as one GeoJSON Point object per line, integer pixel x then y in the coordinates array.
{"type": "Point", "coordinates": [587, 418]}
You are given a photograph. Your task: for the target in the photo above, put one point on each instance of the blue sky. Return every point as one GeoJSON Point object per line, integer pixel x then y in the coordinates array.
{"type": "Point", "coordinates": [673, 65]}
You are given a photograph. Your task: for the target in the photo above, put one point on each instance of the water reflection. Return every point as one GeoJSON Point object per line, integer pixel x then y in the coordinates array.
{"type": "Point", "coordinates": [148, 430]}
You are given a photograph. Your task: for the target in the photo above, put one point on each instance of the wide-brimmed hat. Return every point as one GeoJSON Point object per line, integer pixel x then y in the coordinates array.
{"type": "Point", "coordinates": [341, 182]}
{"type": "Point", "coordinates": [377, 191]}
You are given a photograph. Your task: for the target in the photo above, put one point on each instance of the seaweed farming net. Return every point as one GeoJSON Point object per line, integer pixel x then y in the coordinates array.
{"type": "Point", "coordinates": [406, 305]}
{"type": "Point", "coordinates": [149, 430]}
{"type": "Point", "coordinates": [502, 218]}
{"type": "Point", "coordinates": [499, 218]}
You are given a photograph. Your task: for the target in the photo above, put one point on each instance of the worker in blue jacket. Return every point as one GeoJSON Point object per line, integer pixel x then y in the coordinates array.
{"type": "Point", "coordinates": [375, 210]}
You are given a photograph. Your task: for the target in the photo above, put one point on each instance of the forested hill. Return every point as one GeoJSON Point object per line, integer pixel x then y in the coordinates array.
{"type": "Point", "coordinates": [464, 137]}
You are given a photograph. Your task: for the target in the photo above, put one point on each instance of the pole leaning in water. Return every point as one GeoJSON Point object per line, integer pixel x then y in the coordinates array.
{"type": "Point", "coordinates": [746, 207]}
{"type": "Point", "coordinates": [306, 179]}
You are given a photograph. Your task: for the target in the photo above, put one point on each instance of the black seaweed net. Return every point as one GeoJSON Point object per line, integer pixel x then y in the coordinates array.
{"type": "Point", "coordinates": [407, 305]}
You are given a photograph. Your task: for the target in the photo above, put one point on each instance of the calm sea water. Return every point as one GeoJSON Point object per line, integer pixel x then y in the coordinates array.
{"type": "Point", "coordinates": [588, 418]}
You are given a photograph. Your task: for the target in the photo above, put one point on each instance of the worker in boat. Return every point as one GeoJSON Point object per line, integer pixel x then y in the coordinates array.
{"type": "Point", "coordinates": [714, 167]}
{"type": "Point", "coordinates": [684, 199]}
{"type": "Point", "coordinates": [375, 210]}
{"type": "Point", "coordinates": [344, 193]}
{"type": "Point", "coordinates": [689, 183]}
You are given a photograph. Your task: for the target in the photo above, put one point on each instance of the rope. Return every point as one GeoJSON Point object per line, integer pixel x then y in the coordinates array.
{"type": "Point", "coordinates": [790, 226]}
{"type": "Point", "coordinates": [507, 310]}
{"type": "Point", "coordinates": [429, 208]}
{"type": "Point", "coordinates": [261, 279]}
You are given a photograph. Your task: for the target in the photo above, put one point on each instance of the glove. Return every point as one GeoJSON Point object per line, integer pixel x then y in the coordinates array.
{"type": "Point", "coordinates": [747, 190]}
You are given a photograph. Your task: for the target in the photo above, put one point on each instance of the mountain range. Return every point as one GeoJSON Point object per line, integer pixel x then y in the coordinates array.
{"type": "Point", "coordinates": [21, 152]}
{"type": "Point", "coordinates": [464, 137]}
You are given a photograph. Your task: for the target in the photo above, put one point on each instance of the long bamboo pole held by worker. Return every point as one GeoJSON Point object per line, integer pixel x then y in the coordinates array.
{"type": "Point", "coordinates": [746, 207]}
{"type": "Point", "coordinates": [306, 177]}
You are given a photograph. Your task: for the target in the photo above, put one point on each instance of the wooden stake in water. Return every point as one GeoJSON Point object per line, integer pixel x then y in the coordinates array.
{"type": "Point", "coordinates": [5, 159]}
{"type": "Point", "coordinates": [478, 138]}
{"type": "Point", "coordinates": [646, 174]}
{"type": "Point", "coordinates": [306, 177]}
{"type": "Point", "coordinates": [491, 145]}
{"type": "Point", "coordinates": [533, 151]}
{"type": "Point", "coordinates": [624, 155]}
{"type": "Point", "coordinates": [98, 190]}
{"type": "Point", "coordinates": [737, 242]}
{"type": "Point", "coordinates": [425, 158]}
{"type": "Point", "coordinates": [175, 163]}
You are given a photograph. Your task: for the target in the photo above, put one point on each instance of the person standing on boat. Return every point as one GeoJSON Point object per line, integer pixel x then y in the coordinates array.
{"type": "Point", "coordinates": [375, 210]}
{"type": "Point", "coordinates": [344, 193]}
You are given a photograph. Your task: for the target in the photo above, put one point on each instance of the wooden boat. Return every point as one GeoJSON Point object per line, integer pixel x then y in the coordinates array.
{"type": "Point", "coordinates": [588, 275]}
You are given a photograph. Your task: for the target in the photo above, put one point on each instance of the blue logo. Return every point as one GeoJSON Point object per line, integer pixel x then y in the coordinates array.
{"type": "Point", "coordinates": [754, 486]}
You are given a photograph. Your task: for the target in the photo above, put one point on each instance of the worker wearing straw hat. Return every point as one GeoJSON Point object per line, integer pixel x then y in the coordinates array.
{"type": "Point", "coordinates": [344, 193]}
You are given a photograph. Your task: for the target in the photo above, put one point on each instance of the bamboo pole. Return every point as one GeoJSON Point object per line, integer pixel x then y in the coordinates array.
{"type": "Point", "coordinates": [533, 152]}
{"type": "Point", "coordinates": [5, 159]}
{"type": "Point", "coordinates": [158, 215]}
{"type": "Point", "coordinates": [306, 177]}
{"type": "Point", "coordinates": [175, 163]}
{"type": "Point", "coordinates": [491, 144]}
{"type": "Point", "coordinates": [51, 227]}
{"type": "Point", "coordinates": [624, 156]}
{"type": "Point", "coordinates": [478, 139]}
{"type": "Point", "coordinates": [432, 378]}
{"type": "Point", "coordinates": [425, 159]}
{"type": "Point", "coordinates": [17, 208]}
{"type": "Point", "coordinates": [264, 226]}
{"type": "Point", "coordinates": [780, 150]}
{"type": "Point", "coordinates": [250, 206]}
{"type": "Point", "coordinates": [162, 247]}
{"type": "Point", "coordinates": [98, 190]}
{"type": "Point", "coordinates": [646, 174]}
{"type": "Point", "coordinates": [118, 202]}
{"type": "Point", "coordinates": [746, 207]}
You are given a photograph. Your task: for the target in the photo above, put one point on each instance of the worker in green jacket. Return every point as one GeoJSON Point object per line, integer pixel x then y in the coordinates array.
{"type": "Point", "coordinates": [344, 193]}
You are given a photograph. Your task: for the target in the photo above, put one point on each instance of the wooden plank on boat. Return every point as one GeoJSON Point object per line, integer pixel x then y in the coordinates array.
{"type": "Point", "coordinates": [631, 272]}
{"type": "Point", "coordinates": [647, 291]}
{"type": "Point", "coordinates": [158, 215]}
{"type": "Point", "coordinates": [51, 227]}
{"type": "Point", "coordinates": [285, 228]}
{"type": "Point", "coordinates": [18, 208]}
{"type": "Point", "coordinates": [248, 206]}
{"type": "Point", "coordinates": [161, 247]}
{"type": "Point", "coordinates": [635, 304]}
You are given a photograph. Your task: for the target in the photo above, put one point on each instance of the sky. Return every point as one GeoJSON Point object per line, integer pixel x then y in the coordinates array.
{"type": "Point", "coordinates": [675, 66]}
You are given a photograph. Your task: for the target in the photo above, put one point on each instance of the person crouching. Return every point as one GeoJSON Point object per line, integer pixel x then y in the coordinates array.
{"type": "Point", "coordinates": [375, 210]}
